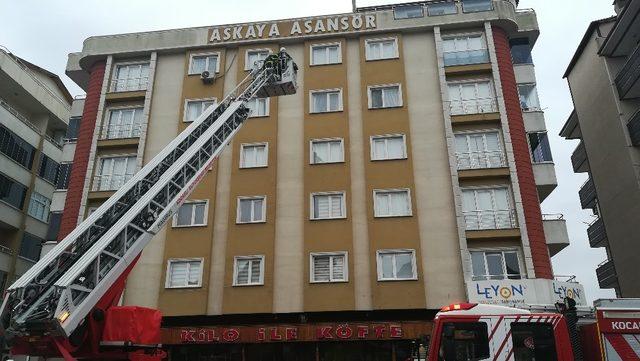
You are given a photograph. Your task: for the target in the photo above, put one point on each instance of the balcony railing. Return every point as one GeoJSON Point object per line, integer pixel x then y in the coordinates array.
{"type": "Point", "coordinates": [489, 219]}
{"type": "Point", "coordinates": [6, 250]}
{"type": "Point", "coordinates": [475, 106]}
{"type": "Point", "coordinates": [597, 234]}
{"type": "Point", "coordinates": [18, 115]}
{"type": "Point", "coordinates": [473, 6]}
{"type": "Point", "coordinates": [629, 76]}
{"type": "Point", "coordinates": [480, 160]}
{"type": "Point", "coordinates": [634, 129]}
{"type": "Point", "coordinates": [579, 159]}
{"type": "Point", "coordinates": [587, 195]}
{"type": "Point", "coordinates": [110, 182]}
{"type": "Point", "coordinates": [466, 57]}
{"type": "Point", "coordinates": [606, 273]}
{"type": "Point", "coordinates": [129, 84]}
{"type": "Point", "coordinates": [120, 131]}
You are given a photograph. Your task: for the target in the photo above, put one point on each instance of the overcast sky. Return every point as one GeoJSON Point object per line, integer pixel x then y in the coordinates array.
{"type": "Point", "coordinates": [44, 32]}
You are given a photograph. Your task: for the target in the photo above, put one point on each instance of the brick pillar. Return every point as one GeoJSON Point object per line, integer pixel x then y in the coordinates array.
{"type": "Point", "coordinates": [528, 190]}
{"type": "Point", "coordinates": [83, 147]}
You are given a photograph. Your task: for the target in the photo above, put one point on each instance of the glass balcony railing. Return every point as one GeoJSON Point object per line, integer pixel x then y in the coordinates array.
{"type": "Point", "coordinates": [480, 160]}
{"type": "Point", "coordinates": [120, 131]}
{"type": "Point", "coordinates": [489, 219]}
{"type": "Point", "coordinates": [474, 6]}
{"type": "Point", "coordinates": [129, 84]}
{"type": "Point", "coordinates": [466, 57]}
{"type": "Point", "coordinates": [110, 182]}
{"type": "Point", "coordinates": [473, 106]}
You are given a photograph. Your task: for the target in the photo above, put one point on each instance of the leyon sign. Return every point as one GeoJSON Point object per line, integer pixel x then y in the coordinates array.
{"type": "Point", "coordinates": [292, 28]}
{"type": "Point", "coordinates": [292, 333]}
{"type": "Point", "coordinates": [524, 292]}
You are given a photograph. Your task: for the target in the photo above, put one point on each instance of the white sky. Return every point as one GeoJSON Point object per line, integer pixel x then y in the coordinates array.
{"type": "Point", "coordinates": [44, 32]}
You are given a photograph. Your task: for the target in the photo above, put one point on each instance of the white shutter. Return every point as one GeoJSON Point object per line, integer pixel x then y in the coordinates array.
{"type": "Point", "coordinates": [242, 272]}
{"type": "Point", "coordinates": [336, 206]}
{"type": "Point", "coordinates": [255, 271]}
{"type": "Point", "coordinates": [321, 206]}
{"type": "Point", "coordinates": [178, 274]}
{"type": "Point", "coordinates": [321, 268]}
{"type": "Point", "coordinates": [337, 268]}
{"type": "Point", "coordinates": [194, 273]}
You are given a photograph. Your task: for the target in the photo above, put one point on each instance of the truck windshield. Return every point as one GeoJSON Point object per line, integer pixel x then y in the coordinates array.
{"type": "Point", "coordinates": [533, 341]}
{"type": "Point", "coordinates": [464, 341]}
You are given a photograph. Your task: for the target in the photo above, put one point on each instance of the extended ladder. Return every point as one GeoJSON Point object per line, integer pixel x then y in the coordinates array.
{"type": "Point", "coordinates": [55, 295]}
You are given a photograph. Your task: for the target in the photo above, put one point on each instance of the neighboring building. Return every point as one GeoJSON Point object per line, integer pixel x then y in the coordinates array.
{"type": "Point", "coordinates": [405, 174]}
{"type": "Point", "coordinates": [604, 77]}
{"type": "Point", "coordinates": [34, 110]}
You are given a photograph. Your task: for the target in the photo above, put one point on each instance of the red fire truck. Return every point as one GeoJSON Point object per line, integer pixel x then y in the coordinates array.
{"type": "Point", "coordinates": [470, 331]}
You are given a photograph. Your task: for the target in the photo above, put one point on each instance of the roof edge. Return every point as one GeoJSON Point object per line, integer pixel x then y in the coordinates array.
{"type": "Point", "coordinates": [583, 43]}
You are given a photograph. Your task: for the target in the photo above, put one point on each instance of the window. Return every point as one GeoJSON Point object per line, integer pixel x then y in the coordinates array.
{"type": "Point", "coordinates": [379, 49]}
{"type": "Point", "coordinates": [324, 54]}
{"type": "Point", "coordinates": [323, 101]}
{"type": "Point", "coordinates": [251, 209]}
{"type": "Point", "coordinates": [327, 151]}
{"type": "Point", "coordinates": [408, 12]}
{"type": "Point", "coordinates": [30, 247]}
{"type": "Point", "coordinates": [201, 62]}
{"type": "Point", "coordinates": [465, 49]}
{"type": "Point", "coordinates": [495, 265]}
{"type": "Point", "coordinates": [114, 172]}
{"type": "Point", "coordinates": [528, 97]}
{"type": "Point", "coordinates": [130, 77]}
{"type": "Point", "coordinates": [472, 6]}
{"type": "Point", "coordinates": [392, 203]}
{"type": "Point", "coordinates": [248, 271]}
{"type": "Point", "coordinates": [254, 155]}
{"type": "Point", "coordinates": [72, 129]}
{"type": "Point", "coordinates": [397, 265]}
{"type": "Point", "coordinates": [48, 169]}
{"type": "Point", "coordinates": [191, 214]}
{"type": "Point", "coordinates": [255, 58]}
{"type": "Point", "coordinates": [472, 98]}
{"type": "Point", "coordinates": [123, 123]}
{"type": "Point", "coordinates": [464, 341]}
{"type": "Point", "coordinates": [39, 206]}
{"type": "Point", "coordinates": [443, 8]}
{"type": "Point", "coordinates": [521, 51]}
{"type": "Point", "coordinates": [385, 96]}
{"type": "Point", "coordinates": [388, 147]}
{"type": "Point", "coordinates": [64, 171]}
{"type": "Point", "coordinates": [12, 192]}
{"type": "Point", "coordinates": [487, 208]}
{"type": "Point", "coordinates": [16, 148]}
{"type": "Point", "coordinates": [258, 107]}
{"type": "Point", "coordinates": [194, 108]}
{"type": "Point", "coordinates": [536, 341]}
{"type": "Point", "coordinates": [540, 149]}
{"type": "Point", "coordinates": [479, 150]}
{"type": "Point", "coordinates": [184, 273]}
{"type": "Point", "coordinates": [329, 267]}
{"type": "Point", "coordinates": [328, 205]}
{"type": "Point", "coordinates": [54, 226]}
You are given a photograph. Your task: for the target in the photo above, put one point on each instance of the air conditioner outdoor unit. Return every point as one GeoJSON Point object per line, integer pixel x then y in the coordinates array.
{"type": "Point", "coordinates": [206, 77]}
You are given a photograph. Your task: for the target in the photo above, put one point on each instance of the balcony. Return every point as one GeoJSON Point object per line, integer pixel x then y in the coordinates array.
{"type": "Point", "coordinates": [606, 273]}
{"type": "Point", "coordinates": [481, 160]}
{"type": "Point", "coordinates": [555, 232]}
{"type": "Point", "coordinates": [109, 182]}
{"type": "Point", "coordinates": [479, 220]}
{"type": "Point", "coordinates": [474, 106]}
{"type": "Point", "coordinates": [597, 234]}
{"type": "Point", "coordinates": [579, 159]}
{"type": "Point", "coordinates": [628, 79]}
{"type": "Point", "coordinates": [588, 195]}
{"type": "Point", "coordinates": [121, 135]}
{"type": "Point", "coordinates": [544, 175]}
{"type": "Point", "coordinates": [634, 129]}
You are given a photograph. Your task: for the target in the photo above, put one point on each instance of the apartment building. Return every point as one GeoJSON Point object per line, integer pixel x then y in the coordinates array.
{"type": "Point", "coordinates": [405, 174]}
{"type": "Point", "coordinates": [34, 111]}
{"type": "Point", "coordinates": [606, 67]}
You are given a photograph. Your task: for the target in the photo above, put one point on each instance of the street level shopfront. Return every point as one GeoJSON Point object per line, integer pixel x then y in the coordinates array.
{"type": "Point", "coordinates": [324, 341]}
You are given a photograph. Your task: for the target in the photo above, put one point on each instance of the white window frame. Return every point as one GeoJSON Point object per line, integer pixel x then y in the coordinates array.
{"type": "Point", "coordinates": [340, 101]}
{"type": "Point", "coordinates": [114, 80]}
{"type": "Point", "coordinates": [538, 108]}
{"type": "Point", "coordinates": [344, 254]}
{"type": "Point", "coordinates": [374, 40]}
{"type": "Point", "coordinates": [386, 136]}
{"type": "Point", "coordinates": [167, 282]}
{"type": "Point", "coordinates": [264, 209]}
{"type": "Point", "coordinates": [235, 271]}
{"type": "Point", "coordinates": [451, 36]}
{"type": "Point", "coordinates": [510, 201]}
{"type": "Point", "coordinates": [325, 45]}
{"type": "Point", "coordinates": [323, 140]}
{"type": "Point", "coordinates": [484, 152]}
{"type": "Point", "coordinates": [98, 171]}
{"type": "Point", "coordinates": [186, 103]}
{"type": "Point", "coordinates": [266, 154]}
{"type": "Point", "coordinates": [42, 202]}
{"type": "Point", "coordinates": [383, 86]}
{"type": "Point", "coordinates": [204, 54]}
{"type": "Point", "coordinates": [312, 203]}
{"type": "Point", "coordinates": [516, 250]}
{"type": "Point", "coordinates": [107, 121]}
{"type": "Point", "coordinates": [492, 88]}
{"type": "Point", "coordinates": [174, 222]}
{"type": "Point", "coordinates": [392, 190]}
{"type": "Point", "coordinates": [266, 105]}
{"type": "Point", "coordinates": [248, 66]}
{"type": "Point", "coordinates": [414, 266]}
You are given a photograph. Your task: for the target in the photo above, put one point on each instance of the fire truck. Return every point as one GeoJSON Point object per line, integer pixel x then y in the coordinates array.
{"type": "Point", "coordinates": [469, 331]}
{"type": "Point", "coordinates": [65, 305]}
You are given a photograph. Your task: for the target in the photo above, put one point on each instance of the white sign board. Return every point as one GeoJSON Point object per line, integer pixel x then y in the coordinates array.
{"type": "Point", "coordinates": [524, 292]}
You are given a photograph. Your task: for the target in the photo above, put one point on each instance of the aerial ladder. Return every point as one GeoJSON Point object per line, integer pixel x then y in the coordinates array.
{"type": "Point", "coordinates": [57, 307]}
